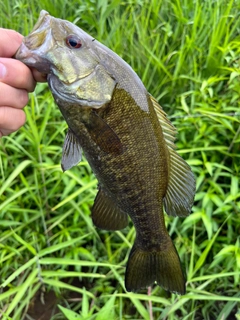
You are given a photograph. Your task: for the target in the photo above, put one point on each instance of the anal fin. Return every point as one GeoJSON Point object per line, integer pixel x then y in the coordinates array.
{"type": "Point", "coordinates": [106, 214]}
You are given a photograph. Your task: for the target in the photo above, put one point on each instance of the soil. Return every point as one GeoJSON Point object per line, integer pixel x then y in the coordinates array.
{"type": "Point", "coordinates": [43, 306]}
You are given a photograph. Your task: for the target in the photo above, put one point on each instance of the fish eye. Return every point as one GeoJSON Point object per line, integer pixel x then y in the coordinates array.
{"type": "Point", "coordinates": [73, 42]}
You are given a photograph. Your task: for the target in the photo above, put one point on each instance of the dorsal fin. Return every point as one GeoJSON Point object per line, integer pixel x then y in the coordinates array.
{"type": "Point", "coordinates": [180, 193]}
{"type": "Point", "coordinates": [169, 131]}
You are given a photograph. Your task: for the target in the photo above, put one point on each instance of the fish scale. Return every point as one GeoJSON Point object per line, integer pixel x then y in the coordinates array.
{"type": "Point", "coordinates": [127, 140]}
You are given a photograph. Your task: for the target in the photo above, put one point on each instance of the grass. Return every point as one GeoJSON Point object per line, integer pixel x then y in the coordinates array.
{"type": "Point", "coordinates": [188, 55]}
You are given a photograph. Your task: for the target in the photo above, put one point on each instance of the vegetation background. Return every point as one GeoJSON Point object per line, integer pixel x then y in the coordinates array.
{"type": "Point", "coordinates": [187, 53]}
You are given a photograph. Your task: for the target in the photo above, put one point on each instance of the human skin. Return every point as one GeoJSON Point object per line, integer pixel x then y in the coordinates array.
{"type": "Point", "coordinates": [16, 81]}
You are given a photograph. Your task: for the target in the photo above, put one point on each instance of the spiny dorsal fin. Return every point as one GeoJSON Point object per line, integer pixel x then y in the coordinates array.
{"type": "Point", "coordinates": [106, 215]}
{"type": "Point", "coordinates": [180, 193]}
{"type": "Point", "coordinates": [72, 151]}
{"type": "Point", "coordinates": [169, 131]}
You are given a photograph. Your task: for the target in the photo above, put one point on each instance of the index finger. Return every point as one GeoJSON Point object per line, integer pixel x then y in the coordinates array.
{"type": "Point", "coordinates": [10, 42]}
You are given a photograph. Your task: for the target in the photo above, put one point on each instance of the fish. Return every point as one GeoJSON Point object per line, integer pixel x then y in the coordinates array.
{"type": "Point", "coordinates": [127, 139]}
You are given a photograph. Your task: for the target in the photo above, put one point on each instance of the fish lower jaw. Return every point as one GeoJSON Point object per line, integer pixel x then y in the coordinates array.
{"type": "Point", "coordinates": [67, 99]}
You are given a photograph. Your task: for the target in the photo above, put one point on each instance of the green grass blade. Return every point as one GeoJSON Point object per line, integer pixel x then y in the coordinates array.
{"type": "Point", "coordinates": [14, 174]}
{"type": "Point", "coordinates": [21, 269]}
{"type": "Point", "coordinates": [21, 292]}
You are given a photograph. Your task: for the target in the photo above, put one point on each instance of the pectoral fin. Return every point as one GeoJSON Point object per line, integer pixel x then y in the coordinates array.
{"type": "Point", "coordinates": [106, 214]}
{"type": "Point", "coordinates": [72, 151]}
{"type": "Point", "coordinates": [103, 135]}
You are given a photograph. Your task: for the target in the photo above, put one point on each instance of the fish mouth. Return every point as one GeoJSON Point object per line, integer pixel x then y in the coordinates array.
{"type": "Point", "coordinates": [42, 22]}
{"type": "Point", "coordinates": [35, 43]}
{"type": "Point", "coordinates": [32, 60]}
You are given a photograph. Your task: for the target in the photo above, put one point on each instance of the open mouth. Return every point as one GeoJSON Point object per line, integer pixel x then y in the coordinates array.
{"type": "Point", "coordinates": [31, 50]}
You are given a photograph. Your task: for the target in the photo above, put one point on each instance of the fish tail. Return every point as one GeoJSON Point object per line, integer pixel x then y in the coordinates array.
{"type": "Point", "coordinates": [145, 266]}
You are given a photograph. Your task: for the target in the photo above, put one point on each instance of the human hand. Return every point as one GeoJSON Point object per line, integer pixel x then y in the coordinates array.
{"type": "Point", "coordinates": [16, 81]}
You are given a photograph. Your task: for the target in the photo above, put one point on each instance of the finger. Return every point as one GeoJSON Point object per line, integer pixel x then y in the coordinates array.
{"type": "Point", "coordinates": [39, 77]}
{"type": "Point", "coordinates": [16, 74]}
{"type": "Point", "coordinates": [12, 97]}
{"type": "Point", "coordinates": [10, 42]}
{"type": "Point", "coordinates": [11, 120]}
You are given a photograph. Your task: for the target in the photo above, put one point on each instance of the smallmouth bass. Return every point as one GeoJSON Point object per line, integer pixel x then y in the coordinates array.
{"type": "Point", "coordinates": [127, 140]}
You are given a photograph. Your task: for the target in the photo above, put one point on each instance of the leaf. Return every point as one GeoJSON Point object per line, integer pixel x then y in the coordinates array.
{"type": "Point", "coordinates": [209, 167]}
{"type": "Point", "coordinates": [16, 273]}
{"type": "Point", "coordinates": [14, 174]}
{"type": "Point", "coordinates": [227, 309]}
{"type": "Point", "coordinates": [21, 291]}
{"type": "Point", "coordinates": [25, 243]}
{"type": "Point", "coordinates": [13, 197]}
{"type": "Point", "coordinates": [140, 308]}
{"type": "Point", "coordinates": [207, 223]}
{"type": "Point", "coordinates": [6, 223]}
{"type": "Point", "coordinates": [7, 294]}
{"type": "Point", "coordinates": [85, 305]}
{"type": "Point", "coordinates": [107, 312]}
{"type": "Point", "coordinates": [76, 193]}
{"type": "Point", "coordinates": [184, 104]}
{"type": "Point", "coordinates": [86, 254]}
{"type": "Point", "coordinates": [70, 315]}
{"type": "Point", "coordinates": [63, 285]}
{"type": "Point", "coordinates": [74, 262]}
{"type": "Point", "coordinates": [60, 246]}
{"type": "Point", "coordinates": [234, 185]}
{"type": "Point", "coordinates": [69, 274]}
{"type": "Point", "coordinates": [204, 254]}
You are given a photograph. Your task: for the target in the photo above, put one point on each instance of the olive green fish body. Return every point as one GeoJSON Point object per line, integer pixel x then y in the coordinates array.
{"type": "Point", "coordinates": [135, 180]}
{"type": "Point", "coordinates": [127, 140]}
{"type": "Point", "coordinates": [143, 161]}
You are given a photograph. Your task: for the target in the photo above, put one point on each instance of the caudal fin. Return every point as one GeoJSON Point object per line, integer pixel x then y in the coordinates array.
{"type": "Point", "coordinates": [144, 267]}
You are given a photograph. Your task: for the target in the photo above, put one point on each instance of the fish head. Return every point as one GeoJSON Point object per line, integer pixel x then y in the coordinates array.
{"type": "Point", "coordinates": [67, 55]}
